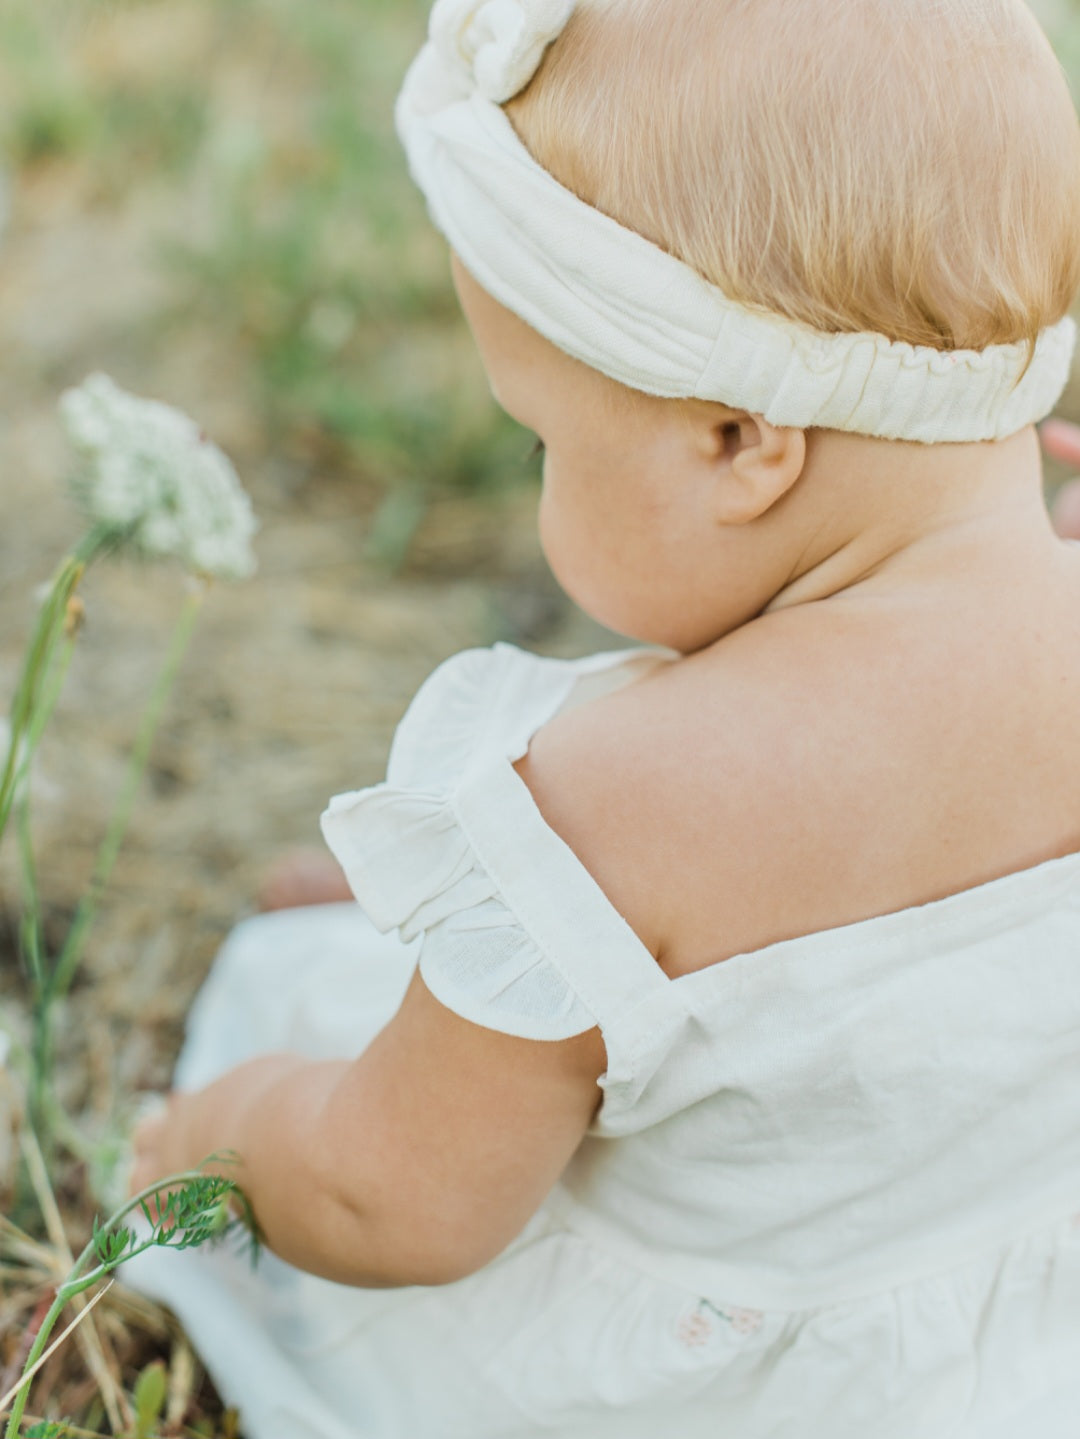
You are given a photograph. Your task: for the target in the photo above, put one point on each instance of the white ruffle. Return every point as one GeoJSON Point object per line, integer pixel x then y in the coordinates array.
{"type": "Point", "coordinates": [412, 865]}
{"type": "Point", "coordinates": [483, 966]}
{"type": "Point", "coordinates": [490, 702]}
{"type": "Point", "coordinates": [405, 857]}
{"type": "Point", "coordinates": [412, 868]}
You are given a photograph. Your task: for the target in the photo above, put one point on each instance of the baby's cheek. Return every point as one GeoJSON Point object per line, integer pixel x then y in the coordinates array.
{"type": "Point", "coordinates": [551, 522]}
{"type": "Point", "coordinates": [604, 567]}
{"type": "Point", "coordinates": [573, 551]}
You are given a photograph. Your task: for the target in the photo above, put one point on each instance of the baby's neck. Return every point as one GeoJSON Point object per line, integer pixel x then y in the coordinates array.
{"type": "Point", "coordinates": [885, 516]}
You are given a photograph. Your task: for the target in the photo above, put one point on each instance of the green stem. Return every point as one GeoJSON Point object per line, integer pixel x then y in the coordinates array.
{"type": "Point", "coordinates": [41, 1339]}
{"type": "Point", "coordinates": [88, 906]}
{"type": "Point", "coordinates": [31, 930]}
{"type": "Point", "coordinates": [64, 1131]}
{"type": "Point", "coordinates": [32, 946]}
{"type": "Point", "coordinates": [50, 690]}
{"type": "Point", "coordinates": [77, 1282]}
{"type": "Point", "coordinates": [37, 664]}
{"type": "Point", "coordinates": [49, 621]}
{"type": "Point", "coordinates": [30, 937]}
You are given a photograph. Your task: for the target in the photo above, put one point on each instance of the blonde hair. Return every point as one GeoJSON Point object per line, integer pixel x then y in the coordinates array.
{"type": "Point", "coordinates": [909, 167]}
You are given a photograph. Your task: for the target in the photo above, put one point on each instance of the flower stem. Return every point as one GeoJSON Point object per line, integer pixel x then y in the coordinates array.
{"type": "Point", "coordinates": [21, 1390]}
{"type": "Point", "coordinates": [31, 933]}
{"type": "Point", "coordinates": [77, 1282]}
{"type": "Point", "coordinates": [37, 665]}
{"type": "Point", "coordinates": [46, 630]}
{"type": "Point", "coordinates": [86, 912]}
{"type": "Point", "coordinates": [31, 944]}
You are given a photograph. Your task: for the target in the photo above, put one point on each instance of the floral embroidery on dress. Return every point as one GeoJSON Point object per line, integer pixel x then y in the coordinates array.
{"type": "Point", "coordinates": [697, 1327]}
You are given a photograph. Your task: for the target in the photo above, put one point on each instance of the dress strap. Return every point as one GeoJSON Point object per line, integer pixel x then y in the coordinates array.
{"type": "Point", "coordinates": [554, 896]}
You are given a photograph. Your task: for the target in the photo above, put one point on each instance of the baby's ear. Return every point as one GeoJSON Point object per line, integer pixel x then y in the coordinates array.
{"type": "Point", "coordinates": [757, 464]}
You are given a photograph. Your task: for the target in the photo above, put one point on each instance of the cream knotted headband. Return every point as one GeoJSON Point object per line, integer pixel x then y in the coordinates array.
{"type": "Point", "coordinates": [625, 307]}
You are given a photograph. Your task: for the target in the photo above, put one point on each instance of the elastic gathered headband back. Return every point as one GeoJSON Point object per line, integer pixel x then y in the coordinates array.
{"type": "Point", "coordinates": [623, 306]}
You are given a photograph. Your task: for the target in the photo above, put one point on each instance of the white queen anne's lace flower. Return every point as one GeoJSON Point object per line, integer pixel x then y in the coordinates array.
{"type": "Point", "coordinates": [147, 470]}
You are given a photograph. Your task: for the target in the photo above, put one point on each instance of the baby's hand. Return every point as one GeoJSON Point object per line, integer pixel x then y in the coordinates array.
{"type": "Point", "coordinates": [212, 1129]}
{"type": "Point", "coordinates": [161, 1144]}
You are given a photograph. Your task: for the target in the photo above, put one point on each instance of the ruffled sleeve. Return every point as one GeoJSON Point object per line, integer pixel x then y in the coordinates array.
{"type": "Point", "coordinates": [412, 868]}
{"type": "Point", "coordinates": [437, 852]}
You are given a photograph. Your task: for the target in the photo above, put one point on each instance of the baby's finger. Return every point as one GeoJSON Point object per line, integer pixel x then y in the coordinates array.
{"type": "Point", "coordinates": [1061, 440]}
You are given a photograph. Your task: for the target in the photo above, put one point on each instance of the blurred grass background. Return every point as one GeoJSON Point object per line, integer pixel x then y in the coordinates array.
{"type": "Point", "coordinates": [248, 146]}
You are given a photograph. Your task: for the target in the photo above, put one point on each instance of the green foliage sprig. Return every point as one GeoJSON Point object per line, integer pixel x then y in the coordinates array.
{"type": "Point", "coordinates": [180, 1212]}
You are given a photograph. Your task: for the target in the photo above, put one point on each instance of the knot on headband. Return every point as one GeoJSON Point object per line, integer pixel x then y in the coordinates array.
{"type": "Point", "coordinates": [620, 304]}
{"type": "Point", "coordinates": [496, 45]}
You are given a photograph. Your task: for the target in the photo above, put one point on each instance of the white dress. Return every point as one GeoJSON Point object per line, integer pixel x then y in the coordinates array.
{"type": "Point", "coordinates": [832, 1191]}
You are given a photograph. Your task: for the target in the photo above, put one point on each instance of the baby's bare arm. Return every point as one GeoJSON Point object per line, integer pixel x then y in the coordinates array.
{"type": "Point", "coordinates": [414, 1164]}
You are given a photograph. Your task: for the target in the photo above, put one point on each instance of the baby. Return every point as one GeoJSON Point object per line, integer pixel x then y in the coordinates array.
{"type": "Point", "coordinates": [703, 1052]}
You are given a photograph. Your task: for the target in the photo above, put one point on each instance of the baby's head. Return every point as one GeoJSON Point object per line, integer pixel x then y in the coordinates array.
{"type": "Point", "coordinates": [907, 167]}
{"type": "Point", "coordinates": [856, 180]}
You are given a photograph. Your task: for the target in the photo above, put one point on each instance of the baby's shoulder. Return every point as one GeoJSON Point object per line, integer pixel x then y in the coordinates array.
{"type": "Point", "coordinates": [701, 795]}
{"type": "Point", "coordinates": [793, 778]}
